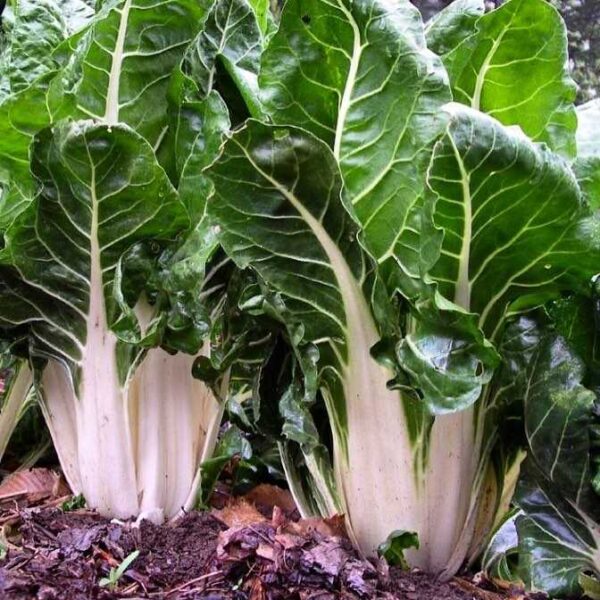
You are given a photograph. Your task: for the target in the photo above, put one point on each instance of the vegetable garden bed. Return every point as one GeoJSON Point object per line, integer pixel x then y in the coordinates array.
{"type": "Point", "coordinates": [317, 243]}
{"type": "Point", "coordinates": [234, 552]}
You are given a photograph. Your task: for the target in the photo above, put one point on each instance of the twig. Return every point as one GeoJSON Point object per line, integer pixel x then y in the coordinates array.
{"type": "Point", "coordinates": [192, 581]}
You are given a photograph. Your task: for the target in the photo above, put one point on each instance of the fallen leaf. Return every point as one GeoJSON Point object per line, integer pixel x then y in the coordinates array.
{"type": "Point", "coordinates": [33, 481]}
{"type": "Point", "coordinates": [269, 496]}
{"type": "Point", "coordinates": [330, 527]}
{"type": "Point", "coordinates": [239, 513]}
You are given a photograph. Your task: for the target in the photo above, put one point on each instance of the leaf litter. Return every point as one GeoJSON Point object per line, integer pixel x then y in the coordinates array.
{"type": "Point", "coordinates": [251, 548]}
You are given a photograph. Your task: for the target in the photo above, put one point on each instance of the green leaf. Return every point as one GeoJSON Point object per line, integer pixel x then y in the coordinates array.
{"type": "Point", "coordinates": [515, 68]}
{"type": "Point", "coordinates": [501, 557]}
{"type": "Point", "coordinates": [231, 39]}
{"type": "Point", "coordinates": [359, 76]}
{"type": "Point", "coordinates": [21, 117]}
{"type": "Point", "coordinates": [453, 25]}
{"type": "Point", "coordinates": [558, 530]}
{"type": "Point", "coordinates": [37, 30]}
{"type": "Point", "coordinates": [395, 545]}
{"type": "Point", "coordinates": [87, 206]}
{"type": "Point", "coordinates": [557, 540]}
{"type": "Point", "coordinates": [29, 98]}
{"type": "Point", "coordinates": [121, 67]}
{"type": "Point", "coordinates": [199, 134]}
{"type": "Point", "coordinates": [512, 220]}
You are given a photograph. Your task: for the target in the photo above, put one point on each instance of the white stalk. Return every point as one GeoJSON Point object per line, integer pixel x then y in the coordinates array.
{"type": "Point", "coordinates": [111, 115]}
{"type": "Point", "coordinates": [448, 492]}
{"type": "Point", "coordinates": [58, 404]}
{"type": "Point", "coordinates": [15, 398]}
{"type": "Point", "coordinates": [106, 457]}
{"type": "Point", "coordinates": [176, 417]}
{"type": "Point", "coordinates": [212, 420]}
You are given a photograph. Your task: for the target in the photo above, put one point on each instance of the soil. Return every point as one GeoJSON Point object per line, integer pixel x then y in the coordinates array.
{"type": "Point", "coordinates": [253, 548]}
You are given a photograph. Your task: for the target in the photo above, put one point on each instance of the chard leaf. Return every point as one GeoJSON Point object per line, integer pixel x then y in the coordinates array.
{"type": "Point", "coordinates": [501, 558]}
{"type": "Point", "coordinates": [21, 117]}
{"type": "Point", "coordinates": [512, 219]}
{"type": "Point", "coordinates": [230, 39]}
{"type": "Point", "coordinates": [558, 541]}
{"type": "Point", "coordinates": [120, 69]}
{"type": "Point", "coordinates": [37, 30]}
{"type": "Point", "coordinates": [515, 68]}
{"type": "Point", "coordinates": [558, 524]}
{"type": "Point", "coordinates": [29, 98]}
{"type": "Point", "coordinates": [359, 76]}
{"type": "Point", "coordinates": [102, 192]}
{"type": "Point", "coordinates": [454, 24]}
{"type": "Point", "coordinates": [199, 131]}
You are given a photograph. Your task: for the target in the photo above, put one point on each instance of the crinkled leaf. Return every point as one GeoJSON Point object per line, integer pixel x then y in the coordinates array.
{"type": "Point", "coordinates": [231, 39]}
{"type": "Point", "coordinates": [515, 68]}
{"type": "Point", "coordinates": [359, 76]}
{"type": "Point", "coordinates": [120, 69]}
{"type": "Point", "coordinates": [512, 219]}
{"type": "Point", "coordinates": [558, 530]}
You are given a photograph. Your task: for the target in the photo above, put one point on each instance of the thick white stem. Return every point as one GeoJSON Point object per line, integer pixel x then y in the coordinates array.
{"type": "Point", "coordinates": [212, 420]}
{"type": "Point", "coordinates": [58, 406]}
{"type": "Point", "coordinates": [448, 491]}
{"type": "Point", "coordinates": [106, 457]}
{"type": "Point", "coordinates": [176, 415]}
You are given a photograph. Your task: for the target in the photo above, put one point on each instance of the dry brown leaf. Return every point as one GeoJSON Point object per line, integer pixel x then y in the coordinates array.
{"type": "Point", "coordinates": [265, 551]}
{"type": "Point", "coordinates": [33, 481]}
{"type": "Point", "coordinates": [239, 513]}
{"type": "Point", "coordinates": [270, 496]}
{"type": "Point", "coordinates": [332, 526]}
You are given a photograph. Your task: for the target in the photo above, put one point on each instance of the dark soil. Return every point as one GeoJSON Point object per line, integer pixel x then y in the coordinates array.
{"type": "Point", "coordinates": [63, 555]}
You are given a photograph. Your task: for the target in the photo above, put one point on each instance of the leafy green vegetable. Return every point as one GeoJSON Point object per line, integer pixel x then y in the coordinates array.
{"type": "Point", "coordinates": [102, 270]}
{"type": "Point", "coordinates": [513, 66]}
{"type": "Point", "coordinates": [393, 548]}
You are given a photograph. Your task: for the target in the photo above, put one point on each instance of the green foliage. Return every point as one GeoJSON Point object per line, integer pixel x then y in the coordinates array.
{"type": "Point", "coordinates": [371, 238]}
{"type": "Point", "coordinates": [393, 548]}
{"type": "Point", "coordinates": [115, 575]}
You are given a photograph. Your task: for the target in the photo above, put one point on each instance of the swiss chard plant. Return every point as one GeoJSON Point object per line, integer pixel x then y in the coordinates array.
{"type": "Point", "coordinates": [395, 234]}
{"type": "Point", "coordinates": [553, 542]}
{"type": "Point", "coordinates": [374, 231]}
{"type": "Point", "coordinates": [110, 277]}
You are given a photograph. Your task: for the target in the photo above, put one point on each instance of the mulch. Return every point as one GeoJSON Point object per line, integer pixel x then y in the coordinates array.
{"type": "Point", "coordinates": [243, 550]}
